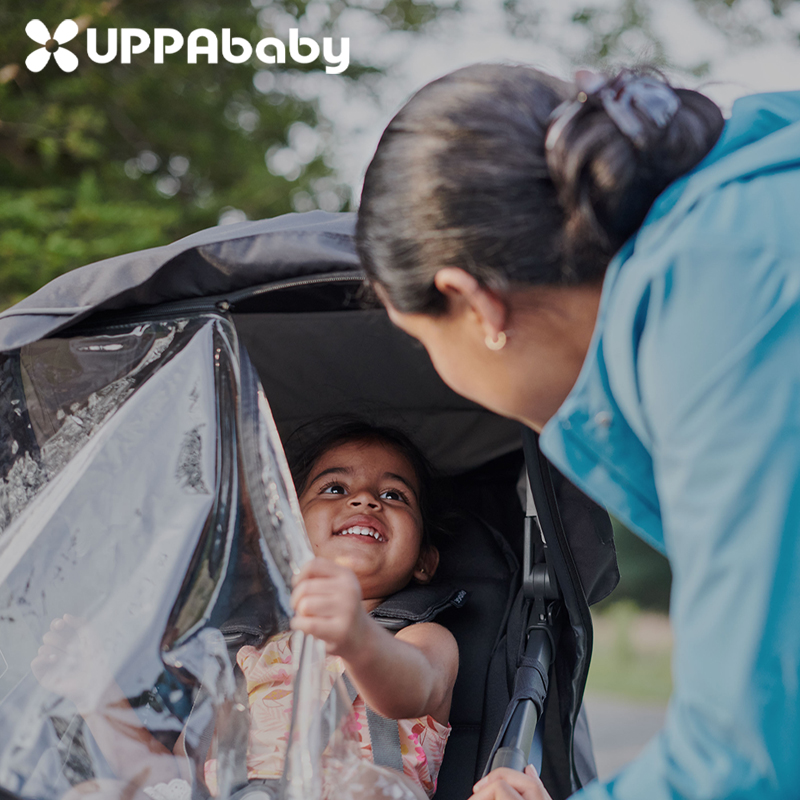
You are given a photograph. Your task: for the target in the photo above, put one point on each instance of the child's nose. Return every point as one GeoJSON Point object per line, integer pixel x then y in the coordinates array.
{"type": "Point", "coordinates": [364, 499]}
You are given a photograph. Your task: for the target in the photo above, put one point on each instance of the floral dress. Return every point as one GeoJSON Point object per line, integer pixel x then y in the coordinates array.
{"type": "Point", "coordinates": [269, 673]}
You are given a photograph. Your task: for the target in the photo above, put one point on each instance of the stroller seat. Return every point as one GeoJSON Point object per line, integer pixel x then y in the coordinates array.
{"type": "Point", "coordinates": [478, 559]}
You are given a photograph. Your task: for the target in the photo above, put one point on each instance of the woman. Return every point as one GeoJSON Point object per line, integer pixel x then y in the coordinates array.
{"type": "Point", "coordinates": [613, 264]}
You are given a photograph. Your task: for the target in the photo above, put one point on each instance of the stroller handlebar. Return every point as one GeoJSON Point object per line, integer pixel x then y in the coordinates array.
{"type": "Point", "coordinates": [530, 691]}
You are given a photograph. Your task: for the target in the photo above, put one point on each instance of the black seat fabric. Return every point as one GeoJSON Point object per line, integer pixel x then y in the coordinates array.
{"type": "Point", "coordinates": [478, 558]}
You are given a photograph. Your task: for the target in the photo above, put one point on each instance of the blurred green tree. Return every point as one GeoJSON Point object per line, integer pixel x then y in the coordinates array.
{"type": "Point", "coordinates": [117, 157]}
{"type": "Point", "coordinates": [644, 574]}
{"type": "Point", "coordinates": [627, 31]}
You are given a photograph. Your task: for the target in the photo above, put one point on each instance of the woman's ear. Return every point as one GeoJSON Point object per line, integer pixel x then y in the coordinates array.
{"type": "Point", "coordinates": [426, 566]}
{"type": "Point", "coordinates": [464, 293]}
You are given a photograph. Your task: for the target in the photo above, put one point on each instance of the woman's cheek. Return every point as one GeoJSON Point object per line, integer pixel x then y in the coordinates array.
{"type": "Point", "coordinates": [452, 370]}
{"type": "Point", "coordinates": [467, 381]}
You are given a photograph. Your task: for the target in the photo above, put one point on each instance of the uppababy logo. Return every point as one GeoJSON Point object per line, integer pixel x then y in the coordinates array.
{"type": "Point", "coordinates": [202, 43]}
{"type": "Point", "coordinates": [51, 45]}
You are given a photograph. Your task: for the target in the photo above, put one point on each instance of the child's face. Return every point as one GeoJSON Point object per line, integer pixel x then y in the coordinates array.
{"type": "Point", "coordinates": [361, 509]}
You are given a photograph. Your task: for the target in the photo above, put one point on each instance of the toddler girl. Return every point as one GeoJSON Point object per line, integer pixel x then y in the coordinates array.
{"type": "Point", "coordinates": [363, 495]}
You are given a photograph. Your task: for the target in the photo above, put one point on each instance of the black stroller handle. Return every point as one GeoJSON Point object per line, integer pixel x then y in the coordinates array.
{"type": "Point", "coordinates": [530, 691]}
{"type": "Point", "coordinates": [531, 682]}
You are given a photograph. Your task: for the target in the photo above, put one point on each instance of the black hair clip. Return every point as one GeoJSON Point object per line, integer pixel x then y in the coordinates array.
{"type": "Point", "coordinates": [628, 99]}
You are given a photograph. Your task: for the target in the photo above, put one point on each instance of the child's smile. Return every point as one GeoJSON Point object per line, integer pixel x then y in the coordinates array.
{"type": "Point", "coordinates": [363, 526]}
{"type": "Point", "coordinates": [361, 509]}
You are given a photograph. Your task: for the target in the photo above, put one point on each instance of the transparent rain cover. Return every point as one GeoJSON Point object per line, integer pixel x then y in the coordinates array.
{"type": "Point", "coordinates": [148, 530]}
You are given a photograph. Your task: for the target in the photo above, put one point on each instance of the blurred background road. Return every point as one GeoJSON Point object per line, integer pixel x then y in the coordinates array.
{"type": "Point", "coordinates": [630, 680]}
{"type": "Point", "coordinates": [620, 729]}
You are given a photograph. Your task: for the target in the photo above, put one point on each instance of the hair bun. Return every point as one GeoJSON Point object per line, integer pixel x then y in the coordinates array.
{"type": "Point", "coordinates": [614, 148]}
{"type": "Point", "coordinates": [638, 104]}
{"type": "Point", "coordinates": [519, 178]}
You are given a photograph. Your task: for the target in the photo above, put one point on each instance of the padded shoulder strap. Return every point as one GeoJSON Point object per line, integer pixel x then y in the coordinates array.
{"type": "Point", "coordinates": [250, 623]}
{"type": "Point", "coordinates": [417, 603]}
{"type": "Point", "coordinates": [383, 733]}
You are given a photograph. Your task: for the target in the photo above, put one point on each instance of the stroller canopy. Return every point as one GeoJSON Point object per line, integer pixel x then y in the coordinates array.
{"type": "Point", "coordinates": [318, 369]}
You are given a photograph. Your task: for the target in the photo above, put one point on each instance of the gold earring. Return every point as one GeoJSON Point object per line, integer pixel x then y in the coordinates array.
{"type": "Point", "coordinates": [496, 344]}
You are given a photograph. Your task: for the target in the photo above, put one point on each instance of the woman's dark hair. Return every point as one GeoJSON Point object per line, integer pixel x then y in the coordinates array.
{"type": "Point", "coordinates": [461, 178]}
{"type": "Point", "coordinates": [308, 444]}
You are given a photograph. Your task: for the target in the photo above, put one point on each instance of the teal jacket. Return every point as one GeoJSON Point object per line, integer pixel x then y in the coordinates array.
{"type": "Point", "coordinates": [685, 424]}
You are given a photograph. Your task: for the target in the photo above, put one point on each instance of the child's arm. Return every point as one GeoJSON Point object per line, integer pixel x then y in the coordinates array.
{"type": "Point", "coordinates": [404, 676]}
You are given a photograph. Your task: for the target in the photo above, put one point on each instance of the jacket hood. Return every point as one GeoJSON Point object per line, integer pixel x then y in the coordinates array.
{"type": "Point", "coordinates": [762, 135]}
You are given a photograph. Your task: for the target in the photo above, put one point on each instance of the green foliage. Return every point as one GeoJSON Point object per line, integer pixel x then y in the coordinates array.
{"type": "Point", "coordinates": [645, 576]}
{"type": "Point", "coordinates": [622, 32]}
{"type": "Point", "coordinates": [632, 654]}
{"type": "Point", "coordinates": [43, 230]}
{"type": "Point", "coordinates": [116, 157]}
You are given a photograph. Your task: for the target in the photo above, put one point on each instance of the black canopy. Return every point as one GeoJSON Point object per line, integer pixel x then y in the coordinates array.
{"type": "Point", "coordinates": [216, 261]}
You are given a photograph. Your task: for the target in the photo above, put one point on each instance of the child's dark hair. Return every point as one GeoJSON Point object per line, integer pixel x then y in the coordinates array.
{"type": "Point", "coordinates": [310, 442]}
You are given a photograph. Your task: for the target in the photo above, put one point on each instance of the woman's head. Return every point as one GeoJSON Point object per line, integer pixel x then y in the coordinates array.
{"type": "Point", "coordinates": [461, 178]}
{"type": "Point", "coordinates": [490, 247]}
{"type": "Point", "coordinates": [363, 491]}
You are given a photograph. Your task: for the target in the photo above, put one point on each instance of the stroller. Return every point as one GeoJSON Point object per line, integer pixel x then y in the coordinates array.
{"type": "Point", "coordinates": [143, 488]}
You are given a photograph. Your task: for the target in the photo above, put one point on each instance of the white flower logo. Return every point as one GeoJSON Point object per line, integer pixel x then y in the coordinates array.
{"type": "Point", "coordinates": [65, 32]}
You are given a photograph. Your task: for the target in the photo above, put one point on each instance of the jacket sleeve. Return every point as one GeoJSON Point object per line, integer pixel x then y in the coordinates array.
{"type": "Point", "coordinates": [719, 383]}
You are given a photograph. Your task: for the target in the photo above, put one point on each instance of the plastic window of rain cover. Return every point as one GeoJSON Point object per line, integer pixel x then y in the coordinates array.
{"type": "Point", "coordinates": [148, 530]}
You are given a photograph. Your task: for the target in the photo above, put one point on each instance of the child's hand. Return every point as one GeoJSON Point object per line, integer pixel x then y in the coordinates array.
{"type": "Point", "coordinates": [508, 784]}
{"type": "Point", "coordinates": [327, 604]}
{"type": "Point", "coordinates": [71, 662]}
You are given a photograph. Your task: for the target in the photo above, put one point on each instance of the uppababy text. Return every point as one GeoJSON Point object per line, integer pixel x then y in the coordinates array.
{"type": "Point", "coordinates": [204, 43]}
{"type": "Point", "coordinates": [201, 44]}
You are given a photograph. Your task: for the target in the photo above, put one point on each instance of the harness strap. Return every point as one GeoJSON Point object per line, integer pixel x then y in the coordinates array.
{"type": "Point", "coordinates": [241, 700]}
{"type": "Point", "coordinates": [333, 711]}
{"type": "Point", "coordinates": [384, 734]}
{"type": "Point", "coordinates": [417, 603]}
{"type": "Point", "coordinates": [258, 789]}
{"type": "Point", "coordinates": [352, 692]}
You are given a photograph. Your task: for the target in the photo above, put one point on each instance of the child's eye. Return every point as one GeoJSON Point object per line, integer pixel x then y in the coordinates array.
{"type": "Point", "coordinates": [394, 494]}
{"type": "Point", "coordinates": [333, 488]}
